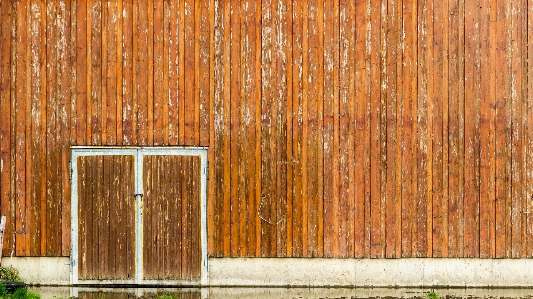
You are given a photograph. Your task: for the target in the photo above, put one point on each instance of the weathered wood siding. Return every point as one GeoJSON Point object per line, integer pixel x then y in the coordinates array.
{"type": "Point", "coordinates": [371, 128]}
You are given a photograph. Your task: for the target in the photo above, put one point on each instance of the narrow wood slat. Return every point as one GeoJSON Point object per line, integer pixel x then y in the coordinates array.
{"type": "Point", "coordinates": [346, 27]}
{"type": "Point", "coordinates": [204, 24]}
{"type": "Point", "coordinates": [529, 136]}
{"type": "Point", "coordinates": [282, 66]}
{"type": "Point", "coordinates": [362, 135]}
{"type": "Point", "coordinates": [330, 67]}
{"type": "Point", "coordinates": [517, 196]}
{"type": "Point", "coordinates": [127, 58]}
{"type": "Point", "coordinates": [160, 92]}
{"type": "Point", "coordinates": [189, 75]}
{"type": "Point", "coordinates": [389, 70]}
{"type": "Point", "coordinates": [408, 123]}
{"type": "Point", "coordinates": [267, 206]}
{"type": "Point", "coordinates": [438, 204]}
{"type": "Point", "coordinates": [5, 122]}
{"type": "Point", "coordinates": [235, 128]}
{"type": "Point", "coordinates": [296, 161]}
{"type": "Point", "coordinates": [37, 93]}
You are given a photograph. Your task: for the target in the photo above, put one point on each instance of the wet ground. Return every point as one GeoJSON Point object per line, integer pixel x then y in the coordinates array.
{"type": "Point", "coordinates": [277, 293]}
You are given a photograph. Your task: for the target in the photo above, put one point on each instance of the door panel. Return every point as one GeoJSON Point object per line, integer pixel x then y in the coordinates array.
{"type": "Point", "coordinates": [171, 218]}
{"type": "Point", "coordinates": [106, 217]}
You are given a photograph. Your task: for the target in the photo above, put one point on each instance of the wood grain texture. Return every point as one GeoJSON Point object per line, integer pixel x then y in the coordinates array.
{"type": "Point", "coordinates": [334, 128]}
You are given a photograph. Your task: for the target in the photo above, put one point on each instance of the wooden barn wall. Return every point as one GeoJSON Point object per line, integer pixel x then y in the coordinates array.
{"type": "Point", "coordinates": [336, 128]}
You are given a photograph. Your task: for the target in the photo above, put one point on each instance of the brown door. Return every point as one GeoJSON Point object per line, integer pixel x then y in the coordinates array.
{"type": "Point", "coordinates": [171, 218]}
{"type": "Point", "coordinates": [106, 218]}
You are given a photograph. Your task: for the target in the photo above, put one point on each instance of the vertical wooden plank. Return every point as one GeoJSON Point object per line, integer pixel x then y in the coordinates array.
{"type": "Point", "coordinates": [196, 108]}
{"type": "Point", "coordinates": [189, 64]}
{"type": "Point", "coordinates": [173, 71]}
{"type": "Point", "coordinates": [186, 220]}
{"type": "Point", "coordinates": [181, 71]}
{"type": "Point", "coordinates": [221, 129]}
{"type": "Point", "coordinates": [204, 70]}
{"type": "Point", "coordinates": [140, 96]}
{"type": "Point", "coordinates": [391, 92]}
{"type": "Point", "coordinates": [95, 35]}
{"type": "Point", "coordinates": [83, 214]}
{"type": "Point", "coordinates": [127, 73]}
{"type": "Point", "coordinates": [297, 222]}
{"type": "Point", "coordinates": [63, 201]}
{"type": "Point", "coordinates": [160, 95]}
{"type": "Point", "coordinates": [5, 121]}
{"type": "Point", "coordinates": [346, 146]}
{"type": "Point", "coordinates": [315, 131]}
{"type": "Point", "coordinates": [196, 247]}
{"type": "Point", "coordinates": [150, 73]}
{"type": "Point", "coordinates": [471, 196]}
{"type": "Point", "coordinates": [105, 205]}
{"type": "Point", "coordinates": [81, 72]}
{"type": "Point", "coordinates": [37, 190]}
{"type": "Point", "coordinates": [517, 217]}
{"type": "Point", "coordinates": [486, 134]}
{"type": "Point", "coordinates": [248, 111]}
{"type": "Point", "coordinates": [119, 69]}
{"type": "Point", "coordinates": [376, 180]}
{"type": "Point", "coordinates": [408, 123]}
{"type": "Point", "coordinates": [282, 14]}
{"type": "Point", "coordinates": [267, 207]}
{"type": "Point", "coordinates": [330, 71]}
{"type": "Point", "coordinates": [529, 135]}
{"type": "Point", "coordinates": [436, 131]}
{"type": "Point", "coordinates": [362, 86]}
{"type": "Point", "coordinates": [456, 131]}
{"type": "Point", "coordinates": [19, 109]}
{"type": "Point", "coordinates": [235, 126]}
{"type": "Point", "coordinates": [110, 45]}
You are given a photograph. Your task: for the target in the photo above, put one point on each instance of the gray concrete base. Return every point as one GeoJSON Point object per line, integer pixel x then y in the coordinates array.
{"type": "Point", "coordinates": [413, 272]}
{"type": "Point", "coordinates": [41, 270]}
{"type": "Point", "coordinates": [283, 272]}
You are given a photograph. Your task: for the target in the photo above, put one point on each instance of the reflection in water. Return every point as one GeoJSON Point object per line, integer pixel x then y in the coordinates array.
{"type": "Point", "coordinates": [277, 293]}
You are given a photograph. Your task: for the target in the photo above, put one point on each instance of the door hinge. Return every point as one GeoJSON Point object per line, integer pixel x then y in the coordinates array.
{"type": "Point", "coordinates": [206, 171]}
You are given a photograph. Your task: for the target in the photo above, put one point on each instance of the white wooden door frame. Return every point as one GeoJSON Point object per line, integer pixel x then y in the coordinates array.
{"type": "Point", "coordinates": [138, 153]}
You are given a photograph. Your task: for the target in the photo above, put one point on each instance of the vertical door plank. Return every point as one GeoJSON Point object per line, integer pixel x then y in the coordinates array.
{"type": "Point", "coordinates": [83, 215]}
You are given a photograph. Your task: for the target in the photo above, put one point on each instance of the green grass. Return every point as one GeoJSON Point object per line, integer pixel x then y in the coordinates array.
{"type": "Point", "coordinates": [20, 293]}
{"type": "Point", "coordinates": [432, 295]}
{"type": "Point", "coordinates": [167, 297]}
{"type": "Point", "coordinates": [9, 274]}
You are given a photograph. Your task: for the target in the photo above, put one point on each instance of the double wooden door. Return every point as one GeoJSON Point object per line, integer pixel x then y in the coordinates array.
{"type": "Point", "coordinates": [138, 216]}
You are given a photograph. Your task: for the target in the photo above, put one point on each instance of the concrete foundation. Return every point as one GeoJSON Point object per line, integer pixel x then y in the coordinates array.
{"type": "Point", "coordinates": [317, 272]}
{"type": "Point", "coordinates": [412, 272]}
{"type": "Point", "coordinates": [41, 270]}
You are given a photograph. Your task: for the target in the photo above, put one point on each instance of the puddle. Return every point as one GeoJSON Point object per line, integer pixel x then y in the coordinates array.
{"type": "Point", "coordinates": [276, 293]}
